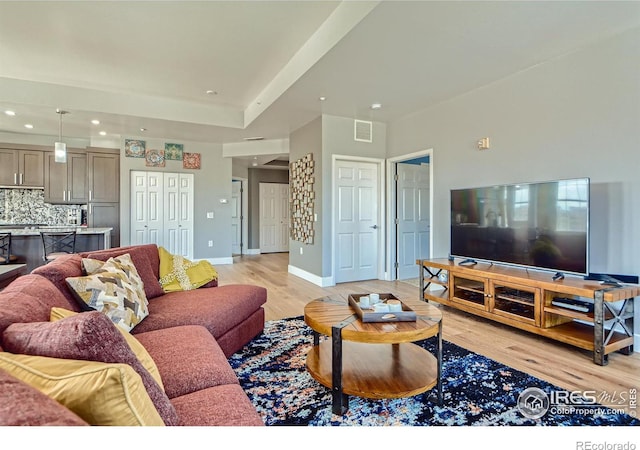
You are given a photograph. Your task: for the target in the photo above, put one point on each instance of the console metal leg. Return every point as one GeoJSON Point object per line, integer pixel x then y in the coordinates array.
{"type": "Point", "coordinates": [421, 280]}
{"type": "Point", "coordinates": [316, 338]}
{"type": "Point", "coordinates": [599, 356]}
{"type": "Point", "coordinates": [439, 358]}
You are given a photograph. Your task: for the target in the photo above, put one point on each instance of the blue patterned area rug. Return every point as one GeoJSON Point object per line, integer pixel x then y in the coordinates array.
{"type": "Point", "coordinates": [477, 390]}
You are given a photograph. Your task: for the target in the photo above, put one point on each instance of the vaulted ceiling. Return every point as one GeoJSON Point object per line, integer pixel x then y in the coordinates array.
{"type": "Point", "coordinates": [223, 71]}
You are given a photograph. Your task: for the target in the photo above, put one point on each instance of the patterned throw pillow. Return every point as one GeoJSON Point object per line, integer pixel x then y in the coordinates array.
{"type": "Point", "coordinates": [115, 290]}
{"type": "Point", "coordinates": [117, 263]}
{"type": "Point", "coordinates": [88, 336]}
{"type": "Point", "coordinates": [179, 274]}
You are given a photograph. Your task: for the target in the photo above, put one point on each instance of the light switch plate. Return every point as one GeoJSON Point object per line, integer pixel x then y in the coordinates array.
{"type": "Point", "coordinates": [210, 215]}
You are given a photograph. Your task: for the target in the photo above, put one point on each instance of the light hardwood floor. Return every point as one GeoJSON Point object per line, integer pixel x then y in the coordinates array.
{"type": "Point", "coordinates": [562, 365]}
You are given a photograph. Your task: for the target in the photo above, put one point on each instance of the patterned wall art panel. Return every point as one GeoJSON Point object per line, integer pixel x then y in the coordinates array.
{"type": "Point", "coordinates": [173, 151]}
{"type": "Point", "coordinates": [302, 198]}
{"type": "Point", "coordinates": [134, 148]}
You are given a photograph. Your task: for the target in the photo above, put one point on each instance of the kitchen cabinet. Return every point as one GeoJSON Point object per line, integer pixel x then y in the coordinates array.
{"type": "Point", "coordinates": [66, 182]}
{"type": "Point", "coordinates": [101, 215]}
{"type": "Point", "coordinates": [21, 168]}
{"type": "Point", "coordinates": [103, 177]}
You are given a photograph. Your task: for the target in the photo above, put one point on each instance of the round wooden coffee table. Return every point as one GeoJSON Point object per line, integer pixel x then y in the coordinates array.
{"type": "Point", "coordinates": [375, 359]}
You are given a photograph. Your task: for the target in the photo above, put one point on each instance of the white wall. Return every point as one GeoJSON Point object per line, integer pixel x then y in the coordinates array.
{"type": "Point", "coordinates": [575, 116]}
{"type": "Point", "coordinates": [212, 183]}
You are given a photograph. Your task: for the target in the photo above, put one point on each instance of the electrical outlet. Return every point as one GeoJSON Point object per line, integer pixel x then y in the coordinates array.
{"type": "Point", "coordinates": [301, 250]}
{"type": "Point", "coordinates": [210, 243]}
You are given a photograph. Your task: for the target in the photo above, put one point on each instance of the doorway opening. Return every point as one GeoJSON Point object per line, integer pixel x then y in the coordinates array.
{"type": "Point", "coordinates": [239, 216]}
{"type": "Point", "coordinates": [410, 213]}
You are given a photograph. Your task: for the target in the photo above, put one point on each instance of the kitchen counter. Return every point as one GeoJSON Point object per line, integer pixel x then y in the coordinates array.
{"type": "Point", "coordinates": [27, 245]}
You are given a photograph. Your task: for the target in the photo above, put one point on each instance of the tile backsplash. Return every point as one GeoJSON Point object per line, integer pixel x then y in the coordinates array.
{"type": "Point", "coordinates": [27, 206]}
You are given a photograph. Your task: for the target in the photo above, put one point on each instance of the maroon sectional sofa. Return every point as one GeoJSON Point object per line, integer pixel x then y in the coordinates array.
{"type": "Point", "coordinates": [189, 335]}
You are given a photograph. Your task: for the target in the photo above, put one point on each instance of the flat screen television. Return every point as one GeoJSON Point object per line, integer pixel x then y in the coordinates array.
{"type": "Point", "coordinates": [541, 225]}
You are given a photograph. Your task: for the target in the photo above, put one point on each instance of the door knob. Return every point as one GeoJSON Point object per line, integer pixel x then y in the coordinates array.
{"type": "Point", "coordinates": [375, 227]}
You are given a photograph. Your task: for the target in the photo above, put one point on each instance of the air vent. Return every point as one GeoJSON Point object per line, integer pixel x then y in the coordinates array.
{"type": "Point", "coordinates": [362, 131]}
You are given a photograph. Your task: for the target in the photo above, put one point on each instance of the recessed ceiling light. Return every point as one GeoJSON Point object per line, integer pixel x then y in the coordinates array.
{"type": "Point", "coordinates": [254, 138]}
{"type": "Point", "coordinates": [103, 133]}
{"type": "Point", "coordinates": [376, 105]}
{"type": "Point", "coordinates": [143, 129]}
{"type": "Point", "coordinates": [10, 113]}
{"type": "Point", "coordinates": [95, 122]}
{"type": "Point", "coordinates": [210, 92]}
{"type": "Point", "coordinates": [322, 99]}
{"type": "Point", "coordinates": [28, 125]}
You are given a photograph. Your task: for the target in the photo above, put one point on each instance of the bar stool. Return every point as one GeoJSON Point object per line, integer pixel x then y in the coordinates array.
{"type": "Point", "coordinates": [57, 243]}
{"type": "Point", "coordinates": [5, 249]}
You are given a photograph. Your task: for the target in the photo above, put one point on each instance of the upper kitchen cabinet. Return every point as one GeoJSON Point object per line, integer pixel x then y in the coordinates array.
{"type": "Point", "coordinates": [103, 177]}
{"type": "Point", "coordinates": [66, 182]}
{"type": "Point", "coordinates": [21, 168]}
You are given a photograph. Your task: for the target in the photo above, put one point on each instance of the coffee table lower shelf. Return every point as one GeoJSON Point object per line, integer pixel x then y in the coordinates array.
{"type": "Point", "coordinates": [376, 370]}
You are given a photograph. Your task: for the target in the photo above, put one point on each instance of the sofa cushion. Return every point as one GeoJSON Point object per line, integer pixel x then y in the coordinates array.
{"type": "Point", "coordinates": [188, 359]}
{"type": "Point", "coordinates": [145, 258]}
{"type": "Point", "coordinates": [135, 345]}
{"type": "Point", "coordinates": [30, 298]}
{"type": "Point", "coordinates": [115, 290]}
{"type": "Point", "coordinates": [224, 405]}
{"type": "Point", "coordinates": [23, 405]}
{"type": "Point", "coordinates": [58, 270]}
{"type": "Point", "coordinates": [99, 393]}
{"type": "Point", "coordinates": [218, 309]}
{"type": "Point", "coordinates": [179, 274]}
{"type": "Point", "coordinates": [89, 336]}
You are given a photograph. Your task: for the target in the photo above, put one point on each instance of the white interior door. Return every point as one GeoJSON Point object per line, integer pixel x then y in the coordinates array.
{"type": "Point", "coordinates": [162, 210]}
{"type": "Point", "coordinates": [178, 214]}
{"type": "Point", "coordinates": [146, 207]}
{"type": "Point", "coordinates": [356, 217]}
{"type": "Point", "coordinates": [413, 190]}
{"type": "Point", "coordinates": [236, 215]}
{"type": "Point", "coordinates": [274, 217]}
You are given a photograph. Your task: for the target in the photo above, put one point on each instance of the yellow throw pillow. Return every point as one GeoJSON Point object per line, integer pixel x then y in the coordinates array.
{"type": "Point", "coordinates": [99, 393]}
{"type": "Point", "coordinates": [180, 274]}
{"type": "Point", "coordinates": [115, 290]}
{"type": "Point", "coordinates": [141, 353]}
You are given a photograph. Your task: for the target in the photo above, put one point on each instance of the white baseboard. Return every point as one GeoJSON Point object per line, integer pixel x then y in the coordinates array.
{"type": "Point", "coordinates": [219, 261]}
{"type": "Point", "coordinates": [315, 279]}
{"type": "Point", "coordinates": [253, 251]}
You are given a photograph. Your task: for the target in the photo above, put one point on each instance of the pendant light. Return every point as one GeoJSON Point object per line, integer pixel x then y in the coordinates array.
{"type": "Point", "coordinates": [60, 148]}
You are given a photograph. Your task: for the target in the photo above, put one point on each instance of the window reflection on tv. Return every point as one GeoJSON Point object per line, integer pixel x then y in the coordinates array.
{"type": "Point", "coordinates": [542, 225]}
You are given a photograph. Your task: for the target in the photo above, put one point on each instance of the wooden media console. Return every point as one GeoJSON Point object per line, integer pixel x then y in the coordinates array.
{"type": "Point", "coordinates": [531, 300]}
